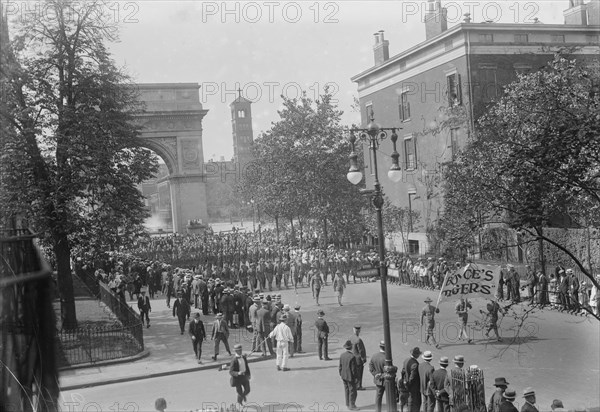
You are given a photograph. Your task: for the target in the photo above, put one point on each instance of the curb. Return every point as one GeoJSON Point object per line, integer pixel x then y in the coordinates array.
{"type": "Point", "coordinates": [132, 358]}
{"type": "Point", "coordinates": [216, 366]}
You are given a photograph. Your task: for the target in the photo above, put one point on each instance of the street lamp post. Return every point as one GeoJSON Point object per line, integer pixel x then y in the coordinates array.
{"type": "Point", "coordinates": [374, 134]}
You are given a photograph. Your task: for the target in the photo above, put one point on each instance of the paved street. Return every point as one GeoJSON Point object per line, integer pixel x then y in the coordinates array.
{"type": "Point", "coordinates": [556, 353]}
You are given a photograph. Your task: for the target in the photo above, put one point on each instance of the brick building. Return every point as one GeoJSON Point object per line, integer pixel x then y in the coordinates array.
{"type": "Point", "coordinates": [464, 66]}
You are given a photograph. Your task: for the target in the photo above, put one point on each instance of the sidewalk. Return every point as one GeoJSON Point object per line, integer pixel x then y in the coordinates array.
{"type": "Point", "coordinates": [168, 352]}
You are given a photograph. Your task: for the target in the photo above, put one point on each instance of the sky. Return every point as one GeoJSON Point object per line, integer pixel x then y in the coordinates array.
{"type": "Point", "coordinates": [270, 48]}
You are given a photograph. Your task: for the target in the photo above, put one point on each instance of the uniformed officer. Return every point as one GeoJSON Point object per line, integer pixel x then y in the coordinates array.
{"type": "Point", "coordinates": [428, 314]}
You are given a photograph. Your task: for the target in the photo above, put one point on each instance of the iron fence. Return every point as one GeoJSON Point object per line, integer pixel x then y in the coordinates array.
{"type": "Point", "coordinates": [119, 307]}
{"type": "Point", "coordinates": [92, 345]}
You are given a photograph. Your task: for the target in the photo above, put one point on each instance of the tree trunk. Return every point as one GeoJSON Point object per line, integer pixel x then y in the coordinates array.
{"type": "Point", "coordinates": [301, 235]}
{"type": "Point", "coordinates": [62, 251]}
{"type": "Point", "coordinates": [277, 227]}
{"type": "Point", "coordinates": [325, 232]}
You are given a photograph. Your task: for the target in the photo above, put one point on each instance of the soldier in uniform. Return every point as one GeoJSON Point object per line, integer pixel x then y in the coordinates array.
{"type": "Point", "coordinates": [316, 281]}
{"type": "Point", "coordinates": [493, 308]}
{"type": "Point", "coordinates": [298, 340]}
{"type": "Point", "coordinates": [428, 314]}
{"type": "Point", "coordinates": [360, 353]}
{"type": "Point", "coordinates": [462, 310]}
{"type": "Point", "coordinates": [339, 284]}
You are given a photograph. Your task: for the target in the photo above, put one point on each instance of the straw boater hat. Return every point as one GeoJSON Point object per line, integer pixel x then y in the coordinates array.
{"type": "Point", "coordinates": [509, 394]}
{"type": "Point", "coordinates": [459, 359]}
{"type": "Point", "coordinates": [528, 392]}
{"type": "Point", "coordinates": [444, 361]}
{"type": "Point", "coordinates": [427, 355]}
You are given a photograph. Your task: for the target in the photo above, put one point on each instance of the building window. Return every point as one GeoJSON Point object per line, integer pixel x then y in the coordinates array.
{"type": "Point", "coordinates": [454, 133]}
{"type": "Point", "coordinates": [453, 88]}
{"type": "Point", "coordinates": [410, 152]}
{"type": "Point", "coordinates": [558, 38]}
{"type": "Point", "coordinates": [241, 114]}
{"type": "Point", "coordinates": [486, 38]}
{"type": "Point", "coordinates": [413, 247]}
{"type": "Point", "coordinates": [521, 38]}
{"type": "Point", "coordinates": [404, 107]}
{"type": "Point", "coordinates": [368, 111]}
{"type": "Point", "coordinates": [487, 79]}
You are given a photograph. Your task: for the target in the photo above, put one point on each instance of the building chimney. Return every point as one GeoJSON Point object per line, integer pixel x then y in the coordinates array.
{"type": "Point", "coordinates": [381, 49]}
{"type": "Point", "coordinates": [436, 19]}
{"type": "Point", "coordinates": [577, 13]}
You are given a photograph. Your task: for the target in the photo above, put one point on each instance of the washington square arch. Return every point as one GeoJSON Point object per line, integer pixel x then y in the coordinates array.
{"type": "Point", "coordinates": [172, 128]}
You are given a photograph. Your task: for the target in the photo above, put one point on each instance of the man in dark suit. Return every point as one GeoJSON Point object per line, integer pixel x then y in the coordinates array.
{"type": "Point", "coordinates": [436, 385]}
{"type": "Point", "coordinates": [181, 308]}
{"type": "Point", "coordinates": [197, 333]}
{"type": "Point", "coordinates": [376, 366]}
{"type": "Point", "coordinates": [425, 371]}
{"type": "Point", "coordinates": [507, 401]}
{"type": "Point", "coordinates": [263, 316]}
{"type": "Point", "coordinates": [144, 307]}
{"type": "Point", "coordinates": [240, 374]}
{"type": "Point", "coordinates": [529, 405]}
{"type": "Point", "coordinates": [348, 373]}
{"type": "Point", "coordinates": [360, 353]}
{"type": "Point", "coordinates": [220, 332]}
{"type": "Point", "coordinates": [411, 380]}
{"type": "Point", "coordinates": [322, 335]}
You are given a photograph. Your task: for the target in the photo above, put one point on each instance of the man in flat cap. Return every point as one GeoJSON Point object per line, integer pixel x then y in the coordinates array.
{"type": "Point", "coordinates": [360, 353]}
{"type": "Point", "coordinates": [220, 333]}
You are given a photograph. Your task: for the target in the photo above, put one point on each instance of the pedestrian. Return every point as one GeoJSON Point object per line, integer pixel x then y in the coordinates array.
{"type": "Point", "coordinates": [339, 284]}
{"type": "Point", "coordinates": [462, 310]}
{"type": "Point", "coordinates": [376, 367]}
{"type": "Point", "coordinates": [160, 404]}
{"type": "Point", "coordinates": [181, 308]}
{"type": "Point", "coordinates": [240, 375]}
{"type": "Point", "coordinates": [220, 333]}
{"type": "Point", "coordinates": [263, 316]}
{"type": "Point", "coordinates": [426, 370]}
{"type": "Point", "coordinates": [360, 353]}
{"type": "Point", "coordinates": [348, 373]}
{"type": "Point", "coordinates": [508, 397]}
{"type": "Point", "coordinates": [456, 371]}
{"type": "Point", "coordinates": [436, 384]}
{"type": "Point", "coordinates": [529, 405]}
{"type": "Point", "coordinates": [428, 314]}
{"type": "Point", "coordinates": [144, 307]}
{"type": "Point", "coordinates": [411, 380]}
{"type": "Point", "coordinates": [557, 406]}
{"type": "Point", "coordinates": [496, 399]}
{"type": "Point", "coordinates": [292, 324]}
{"type": "Point", "coordinates": [298, 337]}
{"type": "Point", "coordinates": [322, 335]}
{"type": "Point", "coordinates": [316, 282]}
{"type": "Point", "coordinates": [197, 333]}
{"type": "Point", "coordinates": [283, 336]}
{"type": "Point", "coordinates": [492, 317]}
{"type": "Point", "coordinates": [252, 315]}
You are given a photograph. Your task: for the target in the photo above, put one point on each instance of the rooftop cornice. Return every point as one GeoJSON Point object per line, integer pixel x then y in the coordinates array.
{"type": "Point", "coordinates": [484, 27]}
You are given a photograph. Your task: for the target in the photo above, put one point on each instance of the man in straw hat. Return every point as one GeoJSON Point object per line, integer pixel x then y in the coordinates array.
{"type": "Point", "coordinates": [283, 336]}
{"type": "Point", "coordinates": [220, 333]}
{"type": "Point", "coordinates": [428, 314]}
{"type": "Point", "coordinates": [436, 384]}
{"type": "Point", "coordinates": [529, 405]}
{"type": "Point", "coordinates": [496, 399]}
{"type": "Point", "coordinates": [457, 370]}
{"type": "Point", "coordinates": [348, 373]}
{"type": "Point", "coordinates": [508, 397]}
{"type": "Point", "coordinates": [425, 372]}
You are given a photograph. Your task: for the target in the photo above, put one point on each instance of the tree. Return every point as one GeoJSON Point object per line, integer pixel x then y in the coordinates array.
{"type": "Point", "coordinates": [395, 220]}
{"type": "Point", "coordinates": [535, 157]}
{"type": "Point", "coordinates": [300, 169]}
{"type": "Point", "coordinates": [75, 159]}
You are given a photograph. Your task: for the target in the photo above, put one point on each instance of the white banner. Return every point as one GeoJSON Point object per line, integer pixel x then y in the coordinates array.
{"type": "Point", "coordinates": [470, 282]}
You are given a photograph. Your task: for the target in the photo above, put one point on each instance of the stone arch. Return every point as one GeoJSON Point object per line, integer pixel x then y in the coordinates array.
{"type": "Point", "coordinates": [171, 126]}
